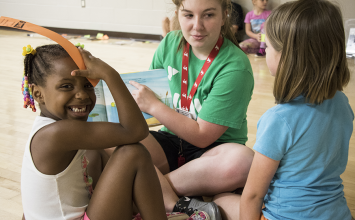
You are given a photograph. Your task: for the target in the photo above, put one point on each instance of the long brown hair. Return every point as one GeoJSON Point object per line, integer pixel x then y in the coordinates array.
{"type": "Point", "coordinates": [226, 31]}
{"type": "Point", "coordinates": [309, 34]}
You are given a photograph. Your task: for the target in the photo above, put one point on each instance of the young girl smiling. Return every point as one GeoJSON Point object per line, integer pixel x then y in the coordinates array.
{"type": "Point", "coordinates": [65, 172]}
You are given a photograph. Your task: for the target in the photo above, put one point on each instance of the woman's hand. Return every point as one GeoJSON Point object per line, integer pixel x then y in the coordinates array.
{"type": "Point", "coordinates": [144, 97]}
{"type": "Point", "coordinates": [95, 67]}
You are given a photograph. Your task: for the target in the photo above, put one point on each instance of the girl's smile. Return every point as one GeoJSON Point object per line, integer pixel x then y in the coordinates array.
{"type": "Point", "coordinates": [79, 110]}
{"type": "Point", "coordinates": [65, 96]}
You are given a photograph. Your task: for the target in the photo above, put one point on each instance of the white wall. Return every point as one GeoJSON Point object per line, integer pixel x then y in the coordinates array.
{"type": "Point", "coordinates": [133, 16]}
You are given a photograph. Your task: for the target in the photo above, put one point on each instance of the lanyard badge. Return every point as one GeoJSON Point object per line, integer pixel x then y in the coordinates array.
{"type": "Point", "coordinates": [187, 98]}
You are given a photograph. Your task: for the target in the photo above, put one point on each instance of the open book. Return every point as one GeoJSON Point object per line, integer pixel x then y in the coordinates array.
{"type": "Point", "coordinates": [105, 108]}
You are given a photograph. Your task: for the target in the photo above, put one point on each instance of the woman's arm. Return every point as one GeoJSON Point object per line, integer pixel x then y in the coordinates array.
{"type": "Point", "coordinates": [250, 33]}
{"type": "Point", "coordinates": [261, 173]}
{"type": "Point", "coordinates": [199, 133]}
{"type": "Point", "coordinates": [217, 112]}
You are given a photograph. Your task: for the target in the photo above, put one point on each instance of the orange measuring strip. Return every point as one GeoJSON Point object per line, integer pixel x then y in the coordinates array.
{"type": "Point", "coordinates": [67, 45]}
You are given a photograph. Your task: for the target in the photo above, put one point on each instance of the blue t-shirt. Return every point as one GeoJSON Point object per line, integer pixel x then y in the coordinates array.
{"type": "Point", "coordinates": [312, 143]}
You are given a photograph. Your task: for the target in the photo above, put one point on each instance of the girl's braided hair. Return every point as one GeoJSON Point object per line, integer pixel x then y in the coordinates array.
{"type": "Point", "coordinates": [38, 65]}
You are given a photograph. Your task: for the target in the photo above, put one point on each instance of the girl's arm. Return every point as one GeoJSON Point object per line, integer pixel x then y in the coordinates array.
{"type": "Point", "coordinates": [200, 133]}
{"type": "Point", "coordinates": [67, 135]}
{"type": "Point", "coordinates": [261, 173]}
{"type": "Point", "coordinates": [250, 33]}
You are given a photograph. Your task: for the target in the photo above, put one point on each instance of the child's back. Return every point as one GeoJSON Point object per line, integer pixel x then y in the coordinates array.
{"type": "Point", "coordinates": [312, 143]}
{"type": "Point", "coordinates": [302, 143]}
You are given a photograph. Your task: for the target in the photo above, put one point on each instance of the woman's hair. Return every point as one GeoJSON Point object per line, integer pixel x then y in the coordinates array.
{"type": "Point", "coordinates": [310, 36]}
{"type": "Point", "coordinates": [226, 28]}
{"type": "Point", "coordinates": [40, 65]}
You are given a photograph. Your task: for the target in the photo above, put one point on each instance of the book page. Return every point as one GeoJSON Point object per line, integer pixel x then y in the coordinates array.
{"type": "Point", "coordinates": [99, 112]}
{"type": "Point", "coordinates": [350, 46]}
{"type": "Point", "coordinates": [156, 80]}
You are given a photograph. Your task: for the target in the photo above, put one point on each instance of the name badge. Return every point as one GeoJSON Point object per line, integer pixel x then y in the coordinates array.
{"type": "Point", "coordinates": [185, 113]}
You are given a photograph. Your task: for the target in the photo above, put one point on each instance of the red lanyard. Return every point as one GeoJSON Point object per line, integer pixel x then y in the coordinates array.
{"type": "Point", "coordinates": [186, 100]}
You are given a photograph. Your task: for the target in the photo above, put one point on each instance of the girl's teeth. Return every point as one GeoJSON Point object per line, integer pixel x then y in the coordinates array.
{"type": "Point", "coordinates": [79, 109]}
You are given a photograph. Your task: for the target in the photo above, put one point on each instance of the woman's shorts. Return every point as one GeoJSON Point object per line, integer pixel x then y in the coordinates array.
{"type": "Point", "coordinates": [171, 146]}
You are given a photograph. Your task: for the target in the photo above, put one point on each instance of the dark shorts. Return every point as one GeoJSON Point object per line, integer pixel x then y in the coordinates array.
{"type": "Point", "coordinates": [171, 146]}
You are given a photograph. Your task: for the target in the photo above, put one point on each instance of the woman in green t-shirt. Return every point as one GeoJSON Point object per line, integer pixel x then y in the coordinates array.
{"type": "Point", "coordinates": [201, 150]}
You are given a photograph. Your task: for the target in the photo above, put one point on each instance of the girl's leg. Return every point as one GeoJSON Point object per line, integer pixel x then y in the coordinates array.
{"type": "Point", "coordinates": [171, 200]}
{"type": "Point", "coordinates": [250, 45]}
{"type": "Point", "coordinates": [162, 167]}
{"type": "Point", "coordinates": [97, 162]}
{"type": "Point", "coordinates": [157, 153]}
{"type": "Point", "coordinates": [228, 204]}
{"type": "Point", "coordinates": [129, 176]}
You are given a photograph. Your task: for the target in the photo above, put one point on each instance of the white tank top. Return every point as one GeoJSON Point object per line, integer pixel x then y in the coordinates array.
{"type": "Point", "coordinates": [56, 197]}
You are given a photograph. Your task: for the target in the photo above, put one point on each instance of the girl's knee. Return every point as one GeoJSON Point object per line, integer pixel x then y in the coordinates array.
{"type": "Point", "coordinates": [131, 152]}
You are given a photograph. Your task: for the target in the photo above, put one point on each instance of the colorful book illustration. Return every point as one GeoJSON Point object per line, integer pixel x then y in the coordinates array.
{"type": "Point", "coordinates": [105, 108]}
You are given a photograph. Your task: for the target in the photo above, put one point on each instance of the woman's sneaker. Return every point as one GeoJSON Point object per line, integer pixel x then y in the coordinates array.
{"type": "Point", "coordinates": [190, 205]}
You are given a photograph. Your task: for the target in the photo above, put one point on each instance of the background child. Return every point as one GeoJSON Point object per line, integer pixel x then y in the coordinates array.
{"type": "Point", "coordinates": [237, 18]}
{"type": "Point", "coordinates": [55, 183]}
{"type": "Point", "coordinates": [253, 21]}
{"type": "Point", "coordinates": [302, 143]}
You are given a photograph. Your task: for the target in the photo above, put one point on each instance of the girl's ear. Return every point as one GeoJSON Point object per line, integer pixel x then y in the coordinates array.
{"type": "Point", "coordinates": [37, 93]}
{"type": "Point", "coordinates": [176, 12]}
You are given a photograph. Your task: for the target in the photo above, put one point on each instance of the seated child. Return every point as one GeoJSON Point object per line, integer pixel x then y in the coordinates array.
{"type": "Point", "coordinates": [302, 144]}
{"type": "Point", "coordinates": [237, 18]}
{"type": "Point", "coordinates": [253, 23]}
{"type": "Point", "coordinates": [55, 180]}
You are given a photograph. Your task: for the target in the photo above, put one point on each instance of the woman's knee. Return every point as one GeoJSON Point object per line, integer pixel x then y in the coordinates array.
{"type": "Point", "coordinates": [236, 165]}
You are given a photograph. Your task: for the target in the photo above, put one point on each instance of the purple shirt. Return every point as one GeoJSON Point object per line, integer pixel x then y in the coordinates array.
{"type": "Point", "coordinates": [256, 20]}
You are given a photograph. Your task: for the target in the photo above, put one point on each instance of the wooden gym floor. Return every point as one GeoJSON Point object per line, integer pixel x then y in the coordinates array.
{"type": "Point", "coordinates": [125, 56]}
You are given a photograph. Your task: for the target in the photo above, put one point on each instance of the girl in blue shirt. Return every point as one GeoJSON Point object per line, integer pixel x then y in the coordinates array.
{"type": "Point", "coordinates": [302, 143]}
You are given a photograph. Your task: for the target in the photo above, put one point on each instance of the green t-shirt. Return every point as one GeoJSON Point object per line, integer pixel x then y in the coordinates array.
{"type": "Point", "coordinates": [225, 90]}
